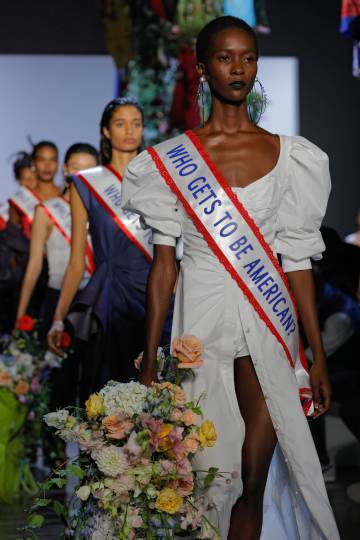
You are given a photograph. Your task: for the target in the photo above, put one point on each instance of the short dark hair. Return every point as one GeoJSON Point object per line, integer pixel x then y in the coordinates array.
{"type": "Point", "coordinates": [22, 161]}
{"type": "Point", "coordinates": [215, 26]}
{"type": "Point", "coordinates": [43, 144]}
{"type": "Point", "coordinates": [82, 148]}
{"type": "Point", "coordinates": [105, 144]}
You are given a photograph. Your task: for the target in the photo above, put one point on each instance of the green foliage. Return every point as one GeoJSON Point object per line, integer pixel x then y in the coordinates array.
{"type": "Point", "coordinates": [210, 477]}
{"type": "Point", "coordinates": [35, 521]}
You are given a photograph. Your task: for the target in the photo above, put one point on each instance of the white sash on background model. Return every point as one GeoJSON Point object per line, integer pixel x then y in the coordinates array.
{"type": "Point", "coordinates": [25, 201]}
{"type": "Point", "coordinates": [236, 241]}
{"type": "Point", "coordinates": [58, 210]}
{"type": "Point", "coordinates": [4, 215]}
{"type": "Point", "coordinates": [105, 184]}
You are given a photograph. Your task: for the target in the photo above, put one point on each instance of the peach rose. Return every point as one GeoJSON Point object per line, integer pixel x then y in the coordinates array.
{"type": "Point", "coordinates": [175, 415]}
{"type": "Point", "coordinates": [117, 426]}
{"type": "Point", "coordinates": [22, 388]}
{"type": "Point", "coordinates": [177, 392]}
{"type": "Point", "coordinates": [179, 395]}
{"type": "Point", "coordinates": [5, 379]}
{"type": "Point", "coordinates": [191, 443]}
{"type": "Point", "coordinates": [189, 418]}
{"type": "Point", "coordinates": [188, 350]}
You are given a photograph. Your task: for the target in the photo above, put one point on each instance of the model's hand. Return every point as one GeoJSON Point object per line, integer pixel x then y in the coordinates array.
{"type": "Point", "coordinates": [321, 387]}
{"type": "Point", "coordinates": [54, 338]}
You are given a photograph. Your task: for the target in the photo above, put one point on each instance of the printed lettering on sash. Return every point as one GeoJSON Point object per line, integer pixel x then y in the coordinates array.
{"type": "Point", "coordinates": [58, 210]}
{"type": "Point", "coordinates": [25, 201]}
{"type": "Point", "coordinates": [105, 184]}
{"type": "Point", "coordinates": [235, 239]}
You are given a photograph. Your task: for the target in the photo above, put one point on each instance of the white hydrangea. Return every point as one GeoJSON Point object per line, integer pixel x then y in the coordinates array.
{"type": "Point", "coordinates": [57, 419]}
{"type": "Point", "coordinates": [111, 460]}
{"type": "Point", "coordinates": [25, 365]}
{"type": "Point", "coordinates": [128, 398]}
{"type": "Point", "coordinates": [51, 360]}
{"type": "Point", "coordinates": [104, 528]}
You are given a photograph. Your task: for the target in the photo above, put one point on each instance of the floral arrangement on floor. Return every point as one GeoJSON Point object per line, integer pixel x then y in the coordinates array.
{"type": "Point", "coordinates": [136, 446]}
{"type": "Point", "coordinates": [24, 397]}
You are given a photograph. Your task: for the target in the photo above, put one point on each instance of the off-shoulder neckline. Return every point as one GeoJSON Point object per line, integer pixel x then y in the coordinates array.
{"type": "Point", "coordinates": [193, 136]}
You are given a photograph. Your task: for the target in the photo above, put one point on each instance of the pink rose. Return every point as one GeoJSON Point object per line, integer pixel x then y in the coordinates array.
{"type": "Point", "coordinates": [184, 467]}
{"type": "Point", "coordinates": [167, 466]}
{"type": "Point", "coordinates": [185, 486]}
{"type": "Point", "coordinates": [132, 445]}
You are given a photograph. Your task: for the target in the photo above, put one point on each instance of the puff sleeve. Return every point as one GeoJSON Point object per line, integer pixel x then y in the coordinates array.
{"type": "Point", "coordinates": [145, 192]}
{"type": "Point", "coordinates": [303, 206]}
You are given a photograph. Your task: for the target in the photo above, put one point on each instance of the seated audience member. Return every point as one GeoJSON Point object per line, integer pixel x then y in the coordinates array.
{"type": "Point", "coordinates": [354, 238]}
{"type": "Point", "coordinates": [339, 316]}
{"type": "Point", "coordinates": [341, 263]}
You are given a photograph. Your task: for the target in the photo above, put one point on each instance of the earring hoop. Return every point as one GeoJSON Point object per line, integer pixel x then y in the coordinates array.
{"type": "Point", "coordinates": [257, 101]}
{"type": "Point", "coordinates": [200, 98]}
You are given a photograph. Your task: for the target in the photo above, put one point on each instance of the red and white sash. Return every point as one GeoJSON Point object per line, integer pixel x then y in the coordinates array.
{"type": "Point", "coordinates": [58, 210]}
{"type": "Point", "coordinates": [105, 184]}
{"type": "Point", "coordinates": [236, 241]}
{"type": "Point", "coordinates": [25, 201]}
{"type": "Point", "coordinates": [4, 215]}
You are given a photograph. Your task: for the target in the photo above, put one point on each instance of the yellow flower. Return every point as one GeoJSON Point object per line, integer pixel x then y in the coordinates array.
{"type": "Point", "coordinates": [165, 443]}
{"type": "Point", "coordinates": [70, 422]}
{"type": "Point", "coordinates": [207, 433]}
{"type": "Point", "coordinates": [94, 406]}
{"type": "Point", "coordinates": [168, 501]}
{"type": "Point", "coordinates": [83, 493]}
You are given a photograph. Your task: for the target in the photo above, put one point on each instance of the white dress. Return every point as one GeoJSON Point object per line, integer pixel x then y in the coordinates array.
{"type": "Point", "coordinates": [57, 251]}
{"type": "Point", "coordinates": [288, 205]}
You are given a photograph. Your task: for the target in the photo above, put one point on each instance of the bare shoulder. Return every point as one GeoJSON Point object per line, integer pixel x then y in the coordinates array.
{"type": "Point", "coordinates": [264, 142]}
{"type": "Point", "coordinates": [41, 218]}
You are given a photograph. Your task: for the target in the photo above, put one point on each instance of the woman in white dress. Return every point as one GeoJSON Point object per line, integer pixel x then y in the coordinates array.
{"type": "Point", "coordinates": [251, 390]}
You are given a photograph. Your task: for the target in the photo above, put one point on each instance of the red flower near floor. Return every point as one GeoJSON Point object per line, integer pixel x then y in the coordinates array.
{"type": "Point", "coordinates": [25, 323]}
{"type": "Point", "coordinates": [65, 340]}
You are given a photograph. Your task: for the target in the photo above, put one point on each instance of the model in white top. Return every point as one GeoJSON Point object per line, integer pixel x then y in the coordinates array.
{"type": "Point", "coordinates": [46, 236]}
{"type": "Point", "coordinates": [251, 392]}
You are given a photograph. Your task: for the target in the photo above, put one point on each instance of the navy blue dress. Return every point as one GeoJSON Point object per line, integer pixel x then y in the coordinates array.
{"type": "Point", "coordinates": [109, 313]}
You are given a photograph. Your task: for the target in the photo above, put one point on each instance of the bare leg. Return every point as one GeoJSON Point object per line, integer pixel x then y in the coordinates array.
{"type": "Point", "coordinates": [259, 445]}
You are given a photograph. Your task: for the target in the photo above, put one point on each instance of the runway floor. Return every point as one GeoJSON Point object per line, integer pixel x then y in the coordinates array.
{"type": "Point", "coordinates": [346, 511]}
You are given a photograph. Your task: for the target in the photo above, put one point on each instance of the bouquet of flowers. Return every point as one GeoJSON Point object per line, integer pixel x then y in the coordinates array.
{"type": "Point", "coordinates": [23, 402]}
{"type": "Point", "coordinates": [135, 463]}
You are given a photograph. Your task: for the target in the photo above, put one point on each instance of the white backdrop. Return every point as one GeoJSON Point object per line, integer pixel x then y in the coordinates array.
{"type": "Point", "coordinates": [279, 76]}
{"type": "Point", "coordinates": [61, 98]}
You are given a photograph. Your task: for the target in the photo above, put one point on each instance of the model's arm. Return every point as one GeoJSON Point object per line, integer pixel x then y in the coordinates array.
{"type": "Point", "coordinates": [41, 229]}
{"type": "Point", "coordinates": [75, 269]}
{"type": "Point", "coordinates": [303, 288]}
{"type": "Point", "coordinates": [14, 216]}
{"type": "Point", "coordinates": [161, 283]}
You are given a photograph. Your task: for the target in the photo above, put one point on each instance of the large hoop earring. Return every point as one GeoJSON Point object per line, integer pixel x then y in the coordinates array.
{"type": "Point", "coordinates": [256, 102]}
{"type": "Point", "coordinates": [200, 98]}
